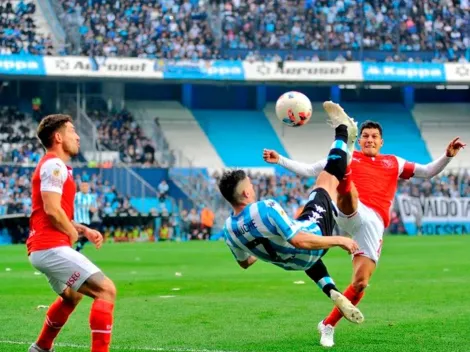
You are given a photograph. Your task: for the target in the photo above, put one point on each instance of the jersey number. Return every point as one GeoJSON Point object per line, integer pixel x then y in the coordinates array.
{"type": "Point", "coordinates": [268, 248]}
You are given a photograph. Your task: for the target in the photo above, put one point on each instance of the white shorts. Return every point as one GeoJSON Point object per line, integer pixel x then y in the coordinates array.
{"type": "Point", "coordinates": [64, 267]}
{"type": "Point", "coordinates": [366, 228]}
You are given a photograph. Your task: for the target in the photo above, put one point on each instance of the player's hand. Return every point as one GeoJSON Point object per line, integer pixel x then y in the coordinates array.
{"type": "Point", "coordinates": [454, 147]}
{"type": "Point", "coordinates": [94, 237]}
{"type": "Point", "coordinates": [270, 156]}
{"type": "Point", "coordinates": [348, 244]}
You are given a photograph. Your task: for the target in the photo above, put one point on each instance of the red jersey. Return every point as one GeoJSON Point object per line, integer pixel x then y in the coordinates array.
{"type": "Point", "coordinates": [376, 180]}
{"type": "Point", "coordinates": [51, 175]}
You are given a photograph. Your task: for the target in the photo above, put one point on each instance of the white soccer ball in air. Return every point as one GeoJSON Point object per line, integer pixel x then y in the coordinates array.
{"type": "Point", "coordinates": [293, 109]}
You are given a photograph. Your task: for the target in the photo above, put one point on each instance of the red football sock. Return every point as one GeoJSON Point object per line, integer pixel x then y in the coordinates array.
{"type": "Point", "coordinates": [101, 324]}
{"type": "Point", "coordinates": [56, 317]}
{"type": "Point", "coordinates": [344, 186]}
{"type": "Point", "coordinates": [335, 315]}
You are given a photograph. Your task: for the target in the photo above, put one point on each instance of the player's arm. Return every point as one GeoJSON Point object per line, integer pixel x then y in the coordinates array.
{"type": "Point", "coordinates": [408, 170]}
{"type": "Point", "coordinates": [291, 231]}
{"type": "Point", "coordinates": [244, 259]}
{"type": "Point", "coordinates": [245, 264]}
{"type": "Point", "coordinates": [301, 169]}
{"type": "Point", "coordinates": [305, 240]}
{"type": "Point", "coordinates": [93, 236]}
{"type": "Point", "coordinates": [53, 174]}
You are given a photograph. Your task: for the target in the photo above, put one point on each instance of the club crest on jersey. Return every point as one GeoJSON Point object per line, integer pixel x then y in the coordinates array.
{"type": "Point", "coordinates": [56, 173]}
{"type": "Point", "coordinates": [387, 163]}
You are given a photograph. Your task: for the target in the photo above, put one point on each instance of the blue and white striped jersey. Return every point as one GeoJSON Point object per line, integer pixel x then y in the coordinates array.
{"type": "Point", "coordinates": [83, 203]}
{"type": "Point", "coordinates": [263, 229]}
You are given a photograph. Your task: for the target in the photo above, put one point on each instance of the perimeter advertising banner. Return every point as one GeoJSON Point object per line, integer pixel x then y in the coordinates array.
{"type": "Point", "coordinates": [435, 215]}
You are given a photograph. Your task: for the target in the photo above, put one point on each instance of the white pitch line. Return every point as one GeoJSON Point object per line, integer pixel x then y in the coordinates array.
{"type": "Point", "coordinates": [162, 349]}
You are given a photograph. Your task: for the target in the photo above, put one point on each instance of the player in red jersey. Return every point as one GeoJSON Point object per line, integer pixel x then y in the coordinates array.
{"type": "Point", "coordinates": [365, 197]}
{"type": "Point", "coordinates": [52, 234]}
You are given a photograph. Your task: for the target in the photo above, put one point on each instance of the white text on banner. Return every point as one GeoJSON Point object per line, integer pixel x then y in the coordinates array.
{"type": "Point", "coordinates": [435, 215]}
{"type": "Point", "coordinates": [76, 66]}
{"type": "Point", "coordinates": [303, 71]}
{"type": "Point", "coordinates": [457, 72]}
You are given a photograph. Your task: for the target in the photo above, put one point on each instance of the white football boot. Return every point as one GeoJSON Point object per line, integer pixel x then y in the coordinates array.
{"type": "Point", "coordinates": [36, 348]}
{"type": "Point", "coordinates": [339, 117]}
{"type": "Point", "coordinates": [327, 333]}
{"type": "Point", "coordinates": [349, 310]}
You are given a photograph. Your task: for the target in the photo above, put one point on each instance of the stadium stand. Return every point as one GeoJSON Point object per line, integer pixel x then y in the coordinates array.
{"type": "Point", "coordinates": [238, 136]}
{"type": "Point", "coordinates": [271, 30]}
{"type": "Point", "coordinates": [120, 132]}
{"type": "Point", "coordinates": [386, 26]}
{"type": "Point", "coordinates": [164, 29]}
{"type": "Point", "coordinates": [24, 30]}
{"type": "Point", "coordinates": [176, 125]}
{"type": "Point", "coordinates": [440, 123]}
{"type": "Point", "coordinates": [18, 141]}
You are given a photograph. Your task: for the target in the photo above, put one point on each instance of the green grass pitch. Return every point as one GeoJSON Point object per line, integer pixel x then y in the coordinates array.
{"type": "Point", "coordinates": [417, 301]}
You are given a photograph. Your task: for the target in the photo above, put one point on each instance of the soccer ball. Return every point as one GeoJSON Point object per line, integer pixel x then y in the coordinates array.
{"type": "Point", "coordinates": [293, 109]}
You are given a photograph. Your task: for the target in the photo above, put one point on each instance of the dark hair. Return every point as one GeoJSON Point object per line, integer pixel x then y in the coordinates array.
{"type": "Point", "coordinates": [49, 125]}
{"type": "Point", "coordinates": [371, 124]}
{"type": "Point", "coordinates": [229, 182]}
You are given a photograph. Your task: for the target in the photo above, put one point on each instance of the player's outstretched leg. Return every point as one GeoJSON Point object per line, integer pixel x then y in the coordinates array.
{"type": "Point", "coordinates": [56, 317]}
{"type": "Point", "coordinates": [339, 117]}
{"type": "Point", "coordinates": [319, 273]}
{"type": "Point", "coordinates": [103, 291]}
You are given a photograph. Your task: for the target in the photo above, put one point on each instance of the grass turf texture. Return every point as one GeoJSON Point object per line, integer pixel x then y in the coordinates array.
{"type": "Point", "coordinates": [417, 301]}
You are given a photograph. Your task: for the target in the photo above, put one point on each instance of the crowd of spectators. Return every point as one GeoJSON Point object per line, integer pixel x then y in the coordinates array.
{"type": "Point", "coordinates": [204, 29]}
{"type": "Point", "coordinates": [18, 31]}
{"type": "Point", "coordinates": [120, 132]}
{"type": "Point", "coordinates": [18, 140]}
{"type": "Point", "coordinates": [149, 28]}
{"type": "Point", "coordinates": [389, 25]}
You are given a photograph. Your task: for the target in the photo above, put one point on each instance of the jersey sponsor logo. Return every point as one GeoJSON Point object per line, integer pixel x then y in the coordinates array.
{"type": "Point", "coordinates": [314, 217]}
{"type": "Point", "coordinates": [319, 209]}
{"type": "Point", "coordinates": [333, 157]}
{"type": "Point", "coordinates": [73, 279]}
{"type": "Point", "coordinates": [244, 228]}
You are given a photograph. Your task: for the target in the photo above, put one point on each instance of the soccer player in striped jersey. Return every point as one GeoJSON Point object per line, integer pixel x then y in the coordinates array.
{"type": "Point", "coordinates": [263, 230]}
{"type": "Point", "coordinates": [85, 204]}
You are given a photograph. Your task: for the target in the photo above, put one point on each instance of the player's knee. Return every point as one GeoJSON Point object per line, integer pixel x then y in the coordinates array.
{"type": "Point", "coordinates": [360, 284]}
{"type": "Point", "coordinates": [71, 297]}
{"type": "Point", "coordinates": [107, 291]}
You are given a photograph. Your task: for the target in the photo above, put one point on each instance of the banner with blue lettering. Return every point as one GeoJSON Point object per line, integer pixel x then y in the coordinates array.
{"type": "Point", "coordinates": [21, 65]}
{"type": "Point", "coordinates": [201, 69]}
{"type": "Point", "coordinates": [403, 72]}
{"type": "Point", "coordinates": [434, 215]}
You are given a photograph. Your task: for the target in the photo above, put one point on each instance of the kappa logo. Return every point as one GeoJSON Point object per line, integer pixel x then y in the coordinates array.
{"type": "Point", "coordinates": [319, 209]}
{"type": "Point", "coordinates": [314, 217]}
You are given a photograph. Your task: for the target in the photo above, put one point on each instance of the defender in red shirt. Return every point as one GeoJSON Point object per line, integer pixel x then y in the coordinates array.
{"type": "Point", "coordinates": [52, 234]}
{"type": "Point", "coordinates": [365, 197]}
